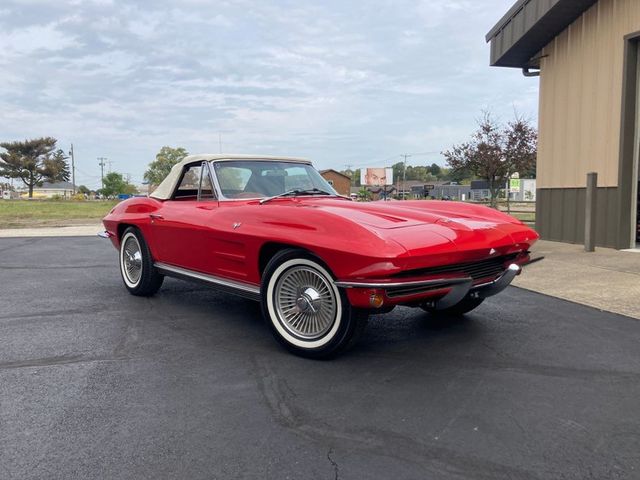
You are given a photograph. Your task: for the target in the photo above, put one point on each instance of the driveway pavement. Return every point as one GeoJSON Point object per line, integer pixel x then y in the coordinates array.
{"type": "Point", "coordinates": [95, 383]}
{"type": "Point", "coordinates": [606, 279]}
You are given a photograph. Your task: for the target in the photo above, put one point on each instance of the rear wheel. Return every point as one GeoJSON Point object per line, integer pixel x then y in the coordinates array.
{"type": "Point", "coordinates": [139, 275]}
{"type": "Point", "coordinates": [307, 313]}
{"type": "Point", "coordinates": [464, 306]}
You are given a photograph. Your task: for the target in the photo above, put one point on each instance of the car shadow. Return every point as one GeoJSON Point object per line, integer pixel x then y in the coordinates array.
{"type": "Point", "coordinates": [213, 313]}
{"type": "Point", "coordinates": [411, 329]}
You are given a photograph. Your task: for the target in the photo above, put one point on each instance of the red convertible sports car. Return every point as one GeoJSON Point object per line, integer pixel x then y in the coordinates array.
{"type": "Point", "coordinates": [273, 230]}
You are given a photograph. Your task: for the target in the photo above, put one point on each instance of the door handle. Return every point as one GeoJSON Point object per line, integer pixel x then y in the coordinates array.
{"type": "Point", "coordinates": [155, 216]}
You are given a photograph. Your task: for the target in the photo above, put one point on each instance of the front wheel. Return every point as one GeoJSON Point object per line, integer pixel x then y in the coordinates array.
{"type": "Point", "coordinates": [136, 265]}
{"type": "Point", "coordinates": [307, 313]}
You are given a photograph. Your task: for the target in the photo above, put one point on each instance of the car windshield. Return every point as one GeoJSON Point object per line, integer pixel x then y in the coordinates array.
{"type": "Point", "coordinates": [260, 179]}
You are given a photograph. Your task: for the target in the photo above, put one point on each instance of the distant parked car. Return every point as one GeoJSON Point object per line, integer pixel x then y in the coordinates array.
{"type": "Point", "coordinates": [273, 230]}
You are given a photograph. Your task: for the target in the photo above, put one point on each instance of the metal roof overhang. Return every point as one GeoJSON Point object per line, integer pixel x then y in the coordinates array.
{"type": "Point", "coordinates": [528, 27]}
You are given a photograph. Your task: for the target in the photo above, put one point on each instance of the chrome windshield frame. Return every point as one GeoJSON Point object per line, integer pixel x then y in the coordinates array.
{"type": "Point", "coordinates": [218, 187]}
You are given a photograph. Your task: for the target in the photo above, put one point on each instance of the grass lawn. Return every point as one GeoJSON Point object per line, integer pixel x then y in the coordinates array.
{"type": "Point", "coordinates": [524, 216]}
{"type": "Point", "coordinates": [50, 213]}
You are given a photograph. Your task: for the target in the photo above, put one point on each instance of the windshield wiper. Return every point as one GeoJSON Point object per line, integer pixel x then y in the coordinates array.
{"type": "Point", "coordinates": [295, 192]}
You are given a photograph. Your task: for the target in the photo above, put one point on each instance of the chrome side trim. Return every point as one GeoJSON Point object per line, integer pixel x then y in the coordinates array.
{"type": "Point", "coordinates": [232, 286]}
{"type": "Point", "coordinates": [445, 282]}
{"type": "Point", "coordinates": [214, 181]}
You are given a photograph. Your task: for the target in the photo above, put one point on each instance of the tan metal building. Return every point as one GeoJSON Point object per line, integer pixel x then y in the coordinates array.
{"type": "Point", "coordinates": [586, 55]}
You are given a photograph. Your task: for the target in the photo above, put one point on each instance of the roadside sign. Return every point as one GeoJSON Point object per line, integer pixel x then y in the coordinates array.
{"type": "Point", "coordinates": [514, 185]}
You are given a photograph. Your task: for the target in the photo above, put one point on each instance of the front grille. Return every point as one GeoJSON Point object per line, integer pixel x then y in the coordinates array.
{"type": "Point", "coordinates": [491, 267]}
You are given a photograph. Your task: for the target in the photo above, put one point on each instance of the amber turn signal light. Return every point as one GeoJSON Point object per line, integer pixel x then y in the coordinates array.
{"type": "Point", "coordinates": [376, 300]}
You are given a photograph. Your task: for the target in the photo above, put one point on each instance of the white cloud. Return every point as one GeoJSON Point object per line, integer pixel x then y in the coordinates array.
{"type": "Point", "coordinates": [341, 82]}
{"type": "Point", "coordinates": [32, 39]}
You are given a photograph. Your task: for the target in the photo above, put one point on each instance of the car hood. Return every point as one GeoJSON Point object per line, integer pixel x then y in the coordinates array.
{"type": "Point", "coordinates": [404, 214]}
{"type": "Point", "coordinates": [417, 225]}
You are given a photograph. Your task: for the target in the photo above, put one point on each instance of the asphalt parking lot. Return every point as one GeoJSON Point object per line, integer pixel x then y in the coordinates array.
{"type": "Point", "coordinates": [95, 383]}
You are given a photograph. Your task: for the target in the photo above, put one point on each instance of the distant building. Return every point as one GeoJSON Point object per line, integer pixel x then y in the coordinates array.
{"type": "Point", "coordinates": [50, 190]}
{"type": "Point", "coordinates": [381, 193]}
{"type": "Point", "coordinates": [451, 192]}
{"type": "Point", "coordinates": [414, 189]}
{"type": "Point", "coordinates": [526, 191]}
{"type": "Point", "coordinates": [340, 182]}
{"type": "Point", "coordinates": [480, 190]}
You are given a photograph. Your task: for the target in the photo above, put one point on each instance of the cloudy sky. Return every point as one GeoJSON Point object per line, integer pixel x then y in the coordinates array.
{"type": "Point", "coordinates": [343, 83]}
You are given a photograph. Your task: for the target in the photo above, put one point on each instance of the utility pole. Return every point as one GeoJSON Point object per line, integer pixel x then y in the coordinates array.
{"type": "Point", "coordinates": [101, 163]}
{"type": "Point", "coordinates": [73, 169]}
{"type": "Point", "coordinates": [404, 174]}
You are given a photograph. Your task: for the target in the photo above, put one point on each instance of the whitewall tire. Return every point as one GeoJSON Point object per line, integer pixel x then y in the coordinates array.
{"type": "Point", "coordinates": [307, 313]}
{"type": "Point", "coordinates": [139, 275]}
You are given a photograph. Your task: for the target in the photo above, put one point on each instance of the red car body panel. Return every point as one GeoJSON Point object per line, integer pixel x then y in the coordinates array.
{"type": "Point", "coordinates": [357, 241]}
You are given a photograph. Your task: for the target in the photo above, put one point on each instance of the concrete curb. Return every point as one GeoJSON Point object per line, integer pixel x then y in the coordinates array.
{"type": "Point", "coordinates": [70, 231]}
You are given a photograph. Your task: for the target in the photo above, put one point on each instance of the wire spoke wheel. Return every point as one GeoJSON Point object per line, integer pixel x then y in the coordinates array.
{"type": "Point", "coordinates": [308, 314]}
{"type": "Point", "coordinates": [305, 302]}
{"type": "Point", "coordinates": [132, 259]}
{"type": "Point", "coordinates": [138, 273]}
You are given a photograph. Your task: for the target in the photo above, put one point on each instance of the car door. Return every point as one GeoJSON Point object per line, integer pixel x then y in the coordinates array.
{"type": "Point", "coordinates": [180, 228]}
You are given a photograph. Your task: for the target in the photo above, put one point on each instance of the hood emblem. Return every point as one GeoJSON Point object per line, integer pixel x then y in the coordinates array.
{"type": "Point", "coordinates": [492, 251]}
{"type": "Point", "coordinates": [236, 225]}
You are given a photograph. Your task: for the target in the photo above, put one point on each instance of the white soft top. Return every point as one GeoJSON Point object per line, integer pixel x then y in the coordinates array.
{"type": "Point", "coordinates": [168, 185]}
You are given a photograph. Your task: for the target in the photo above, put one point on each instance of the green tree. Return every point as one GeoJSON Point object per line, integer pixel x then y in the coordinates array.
{"type": "Point", "coordinates": [84, 190]}
{"type": "Point", "coordinates": [496, 151]}
{"type": "Point", "coordinates": [115, 184]}
{"type": "Point", "coordinates": [364, 195]}
{"type": "Point", "coordinates": [166, 158]}
{"type": "Point", "coordinates": [34, 162]}
{"type": "Point", "coordinates": [398, 170]}
{"type": "Point", "coordinates": [460, 176]}
{"type": "Point", "coordinates": [356, 177]}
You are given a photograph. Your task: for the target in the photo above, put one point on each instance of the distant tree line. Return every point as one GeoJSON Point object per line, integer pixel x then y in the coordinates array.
{"type": "Point", "coordinates": [38, 160]}
{"type": "Point", "coordinates": [494, 153]}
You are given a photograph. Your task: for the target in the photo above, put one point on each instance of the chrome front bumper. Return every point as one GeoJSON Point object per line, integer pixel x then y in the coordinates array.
{"type": "Point", "coordinates": [459, 287]}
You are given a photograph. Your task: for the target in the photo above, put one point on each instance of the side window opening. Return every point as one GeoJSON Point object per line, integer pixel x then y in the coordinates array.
{"type": "Point", "coordinates": [195, 184]}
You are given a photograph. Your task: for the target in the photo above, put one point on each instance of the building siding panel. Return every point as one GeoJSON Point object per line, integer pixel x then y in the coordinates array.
{"type": "Point", "coordinates": [560, 215]}
{"type": "Point", "coordinates": [581, 87]}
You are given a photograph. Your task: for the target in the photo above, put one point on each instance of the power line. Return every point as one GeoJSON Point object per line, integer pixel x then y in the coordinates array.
{"type": "Point", "coordinates": [425, 153]}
